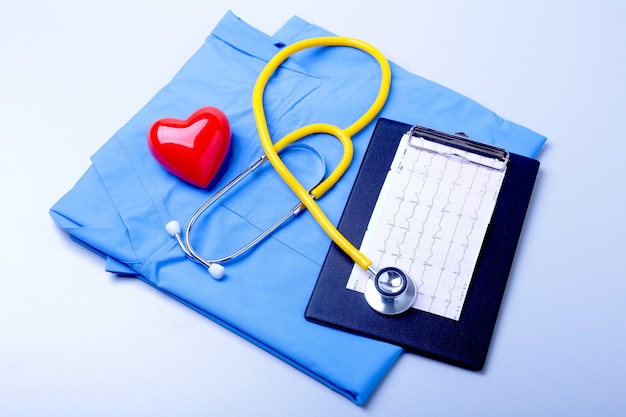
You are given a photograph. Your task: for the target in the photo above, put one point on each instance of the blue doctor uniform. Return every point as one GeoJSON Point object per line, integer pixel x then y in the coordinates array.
{"type": "Point", "coordinates": [121, 204]}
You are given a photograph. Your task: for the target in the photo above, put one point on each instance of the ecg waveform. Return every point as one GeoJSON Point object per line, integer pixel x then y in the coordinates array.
{"type": "Point", "coordinates": [430, 220]}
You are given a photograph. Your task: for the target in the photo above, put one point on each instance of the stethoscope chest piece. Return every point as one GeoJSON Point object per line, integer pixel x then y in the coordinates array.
{"type": "Point", "coordinates": [390, 291]}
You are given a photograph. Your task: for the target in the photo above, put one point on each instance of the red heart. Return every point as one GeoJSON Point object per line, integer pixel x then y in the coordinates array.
{"type": "Point", "coordinates": [191, 149]}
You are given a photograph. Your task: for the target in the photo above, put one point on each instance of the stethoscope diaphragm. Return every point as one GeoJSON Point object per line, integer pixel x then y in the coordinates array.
{"type": "Point", "coordinates": [390, 291]}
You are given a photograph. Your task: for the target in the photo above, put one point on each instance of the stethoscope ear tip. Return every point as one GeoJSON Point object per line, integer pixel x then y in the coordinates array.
{"type": "Point", "coordinates": [173, 228]}
{"type": "Point", "coordinates": [216, 271]}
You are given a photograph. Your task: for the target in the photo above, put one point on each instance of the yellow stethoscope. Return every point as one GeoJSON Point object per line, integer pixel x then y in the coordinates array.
{"type": "Point", "coordinates": [390, 291]}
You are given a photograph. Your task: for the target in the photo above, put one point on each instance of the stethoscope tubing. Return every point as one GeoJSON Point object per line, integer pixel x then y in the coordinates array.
{"type": "Point", "coordinates": [343, 135]}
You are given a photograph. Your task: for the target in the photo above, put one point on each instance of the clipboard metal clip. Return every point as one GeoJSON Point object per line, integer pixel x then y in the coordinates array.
{"type": "Point", "coordinates": [458, 146]}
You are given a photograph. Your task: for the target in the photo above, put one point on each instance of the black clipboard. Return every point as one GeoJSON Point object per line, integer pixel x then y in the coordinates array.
{"type": "Point", "coordinates": [465, 342]}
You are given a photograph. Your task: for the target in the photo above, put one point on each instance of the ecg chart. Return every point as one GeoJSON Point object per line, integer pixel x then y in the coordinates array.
{"type": "Point", "coordinates": [430, 220]}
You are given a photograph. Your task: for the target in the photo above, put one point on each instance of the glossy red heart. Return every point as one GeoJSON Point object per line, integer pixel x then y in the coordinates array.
{"type": "Point", "coordinates": [191, 149]}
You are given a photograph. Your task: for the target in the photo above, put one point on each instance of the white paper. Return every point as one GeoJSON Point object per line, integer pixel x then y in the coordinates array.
{"type": "Point", "coordinates": [430, 220]}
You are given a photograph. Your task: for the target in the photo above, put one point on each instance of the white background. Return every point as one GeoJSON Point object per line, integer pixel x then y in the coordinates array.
{"type": "Point", "coordinates": [77, 341]}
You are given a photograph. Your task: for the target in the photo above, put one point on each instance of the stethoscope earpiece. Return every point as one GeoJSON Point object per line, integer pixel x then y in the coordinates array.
{"type": "Point", "coordinates": [215, 269]}
{"type": "Point", "coordinates": [214, 266]}
{"type": "Point", "coordinates": [173, 228]}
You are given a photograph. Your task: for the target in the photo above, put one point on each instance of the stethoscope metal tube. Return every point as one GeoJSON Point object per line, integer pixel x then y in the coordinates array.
{"type": "Point", "coordinates": [214, 266]}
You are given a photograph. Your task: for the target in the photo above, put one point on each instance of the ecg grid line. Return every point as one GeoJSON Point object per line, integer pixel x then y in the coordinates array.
{"type": "Point", "coordinates": [430, 220]}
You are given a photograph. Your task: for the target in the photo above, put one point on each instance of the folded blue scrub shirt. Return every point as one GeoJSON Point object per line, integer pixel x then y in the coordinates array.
{"type": "Point", "coordinates": [120, 206]}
